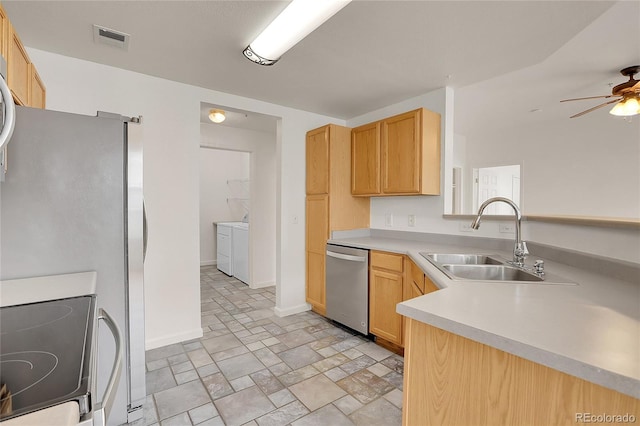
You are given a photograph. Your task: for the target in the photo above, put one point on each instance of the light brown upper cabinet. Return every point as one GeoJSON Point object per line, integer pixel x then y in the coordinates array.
{"type": "Point", "coordinates": [365, 159]}
{"type": "Point", "coordinates": [26, 85]}
{"type": "Point", "coordinates": [399, 155]}
{"type": "Point", "coordinates": [17, 68]}
{"type": "Point", "coordinates": [329, 204]}
{"type": "Point", "coordinates": [317, 153]}
{"type": "Point", "coordinates": [37, 92]}
{"type": "Point", "coordinates": [4, 32]}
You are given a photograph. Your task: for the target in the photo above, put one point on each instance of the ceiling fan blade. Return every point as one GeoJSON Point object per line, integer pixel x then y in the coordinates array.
{"type": "Point", "coordinates": [594, 108]}
{"type": "Point", "coordinates": [590, 97]}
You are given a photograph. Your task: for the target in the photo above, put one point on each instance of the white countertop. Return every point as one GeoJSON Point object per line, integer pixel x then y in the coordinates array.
{"type": "Point", "coordinates": [38, 289]}
{"type": "Point", "coordinates": [590, 330]}
{"type": "Point", "coordinates": [66, 414]}
{"type": "Point", "coordinates": [239, 225]}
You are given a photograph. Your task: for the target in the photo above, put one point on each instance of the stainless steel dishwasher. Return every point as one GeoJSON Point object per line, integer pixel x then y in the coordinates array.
{"type": "Point", "coordinates": [347, 287]}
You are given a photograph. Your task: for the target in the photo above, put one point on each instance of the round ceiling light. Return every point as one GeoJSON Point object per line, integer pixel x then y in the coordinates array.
{"type": "Point", "coordinates": [216, 115]}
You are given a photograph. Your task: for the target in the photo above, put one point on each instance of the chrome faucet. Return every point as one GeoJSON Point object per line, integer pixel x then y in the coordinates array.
{"type": "Point", "coordinates": [520, 251]}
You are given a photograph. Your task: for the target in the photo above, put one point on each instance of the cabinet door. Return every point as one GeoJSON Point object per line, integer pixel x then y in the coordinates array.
{"type": "Point", "coordinates": [385, 292]}
{"type": "Point", "coordinates": [401, 153]}
{"type": "Point", "coordinates": [317, 222]}
{"type": "Point", "coordinates": [17, 68]}
{"type": "Point", "coordinates": [365, 159]}
{"type": "Point", "coordinates": [36, 89]}
{"type": "Point", "coordinates": [317, 233]}
{"type": "Point", "coordinates": [316, 296]}
{"type": "Point", "coordinates": [4, 32]}
{"type": "Point", "coordinates": [317, 153]}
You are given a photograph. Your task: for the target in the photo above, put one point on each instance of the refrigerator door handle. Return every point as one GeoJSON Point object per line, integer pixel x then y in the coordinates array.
{"type": "Point", "coordinates": [103, 409]}
{"type": "Point", "coordinates": [144, 231]}
{"type": "Point", "coordinates": [9, 115]}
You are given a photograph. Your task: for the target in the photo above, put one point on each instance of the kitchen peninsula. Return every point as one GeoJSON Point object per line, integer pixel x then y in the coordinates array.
{"type": "Point", "coordinates": [479, 352]}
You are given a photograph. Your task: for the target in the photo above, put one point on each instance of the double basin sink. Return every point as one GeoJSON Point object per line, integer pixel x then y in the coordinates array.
{"type": "Point", "coordinates": [480, 267]}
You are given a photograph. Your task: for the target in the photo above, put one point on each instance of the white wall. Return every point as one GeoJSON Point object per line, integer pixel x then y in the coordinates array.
{"type": "Point", "coordinates": [171, 138]}
{"type": "Point", "coordinates": [262, 234]}
{"type": "Point", "coordinates": [217, 166]}
{"type": "Point", "coordinates": [586, 167]}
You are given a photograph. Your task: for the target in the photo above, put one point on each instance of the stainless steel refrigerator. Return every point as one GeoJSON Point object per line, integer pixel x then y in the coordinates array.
{"type": "Point", "coordinates": [71, 202]}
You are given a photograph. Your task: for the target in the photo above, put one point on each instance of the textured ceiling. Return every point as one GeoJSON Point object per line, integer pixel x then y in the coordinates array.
{"type": "Point", "coordinates": [370, 54]}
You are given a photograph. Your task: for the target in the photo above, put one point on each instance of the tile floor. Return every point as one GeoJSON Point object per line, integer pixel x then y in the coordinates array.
{"type": "Point", "coordinates": [254, 368]}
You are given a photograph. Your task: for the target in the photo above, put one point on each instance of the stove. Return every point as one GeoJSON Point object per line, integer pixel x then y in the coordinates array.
{"type": "Point", "coordinates": [45, 355]}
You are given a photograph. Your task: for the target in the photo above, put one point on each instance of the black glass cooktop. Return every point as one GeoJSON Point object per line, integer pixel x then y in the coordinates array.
{"type": "Point", "coordinates": [45, 354]}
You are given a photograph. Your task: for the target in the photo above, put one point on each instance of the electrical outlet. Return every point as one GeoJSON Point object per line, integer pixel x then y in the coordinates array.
{"type": "Point", "coordinates": [412, 220]}
{"type": "Point", "coordinates": [465, 227]}
{"type": "Point", "coordinates": [388, 219]}
{"type": "Point", "coordinates": [507, 228]}
{"type": "Point", "coordinates": [295, 220]}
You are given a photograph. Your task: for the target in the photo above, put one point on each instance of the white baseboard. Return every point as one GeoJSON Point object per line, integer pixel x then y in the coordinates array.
{"type": "Point", "coordinates": [208, 263]}
{"type": "Point", "coordinates": [292, 310]}
{"type": "Point", "coordinates": [263, 284]}
{"type": "Point", "coordinates": [159, 342]}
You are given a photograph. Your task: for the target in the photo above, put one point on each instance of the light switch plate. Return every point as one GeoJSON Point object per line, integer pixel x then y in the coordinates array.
{"type": "Point", "coordinates": [388, 219]}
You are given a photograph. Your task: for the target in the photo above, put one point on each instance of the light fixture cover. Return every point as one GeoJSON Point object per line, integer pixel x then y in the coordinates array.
{"type": "Point", "coordinates": [217, 115]}
{"type": "Point", "coordinates": [628, 106]}
{"type": "Point", "coordinates": [293, 24]}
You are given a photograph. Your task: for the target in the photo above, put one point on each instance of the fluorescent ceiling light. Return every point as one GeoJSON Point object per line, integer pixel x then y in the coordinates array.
{"type": "Point", "coordinates": [629, 105]}
{"type": "Point", "coordinates": [292, 25]}
{"type": "Point", "coordinates": [217, 115]}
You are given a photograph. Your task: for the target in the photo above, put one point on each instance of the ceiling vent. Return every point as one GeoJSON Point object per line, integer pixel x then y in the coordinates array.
{"type": "Point", "coordinates": [111, 37]}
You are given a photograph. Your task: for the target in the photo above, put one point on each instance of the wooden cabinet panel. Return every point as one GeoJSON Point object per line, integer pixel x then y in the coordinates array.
{"type": "Point", "coordinates": [429, 286]}
{"type": "Point", "coordinates": [317, 154]}
{"type": "Point", "coordinates": [317, 233]}
{"type": "Point", "coordinates": [316, 265]}
{"type": "Point", "coordinates": [4, 32]}
{"type": "Point", "coordinates": [17, 68]}
{"type": "Point", "coordinates": [385, 292]}
{"type": "Point", "coordinates": [407, 147]}
{"type": "Point", "coordinates": [37, 93]}
{"type": "Point", "coordinates": [317, 222]}
{"type": "Point", "coordinates": [467, 382]}
{"type": "Point", "coordinates": [390, 261]}
{"type": "Point", "coordinates": [401, 153]}
{"type": "Point", "coordinates": [22, 78]}
{"type": "Point", "coordinates": [365, 159]}
{"type": "Point", "coordinates": [417, 276]}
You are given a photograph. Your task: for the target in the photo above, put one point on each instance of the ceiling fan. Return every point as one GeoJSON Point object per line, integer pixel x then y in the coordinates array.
{"type": "Point", "coordinates": [627, 96]}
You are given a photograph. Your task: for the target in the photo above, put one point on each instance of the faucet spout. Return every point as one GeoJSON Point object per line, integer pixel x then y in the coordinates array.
{"type": "Point", "coordinates": [520, 251]}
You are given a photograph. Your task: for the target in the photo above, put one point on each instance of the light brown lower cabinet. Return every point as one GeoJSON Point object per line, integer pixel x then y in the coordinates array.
{"type": "Point", "coordinates": [393, 278]}
{"type": "Point", "coordinates": [386, 290]}
{"type": "Point", "coordinates": [452, 380]}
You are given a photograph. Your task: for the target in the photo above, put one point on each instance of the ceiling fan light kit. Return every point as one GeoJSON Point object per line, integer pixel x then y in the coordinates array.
{"type": "Point", "coordinates": [293, 24]}
{"type": "Point", "coordinates": [629, 105]}
{"type": "Point", "coordinates": [627, 96]}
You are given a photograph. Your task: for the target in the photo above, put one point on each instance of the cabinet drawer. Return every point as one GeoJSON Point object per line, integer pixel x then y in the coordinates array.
{"type": "Point", "coordinates": [390, 261]}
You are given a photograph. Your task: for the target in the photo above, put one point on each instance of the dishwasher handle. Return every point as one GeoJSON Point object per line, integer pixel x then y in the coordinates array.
{"type": "Point", "coordinates": [103, 409]}
{"type": "Point", "coordinates": [346, 256]}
